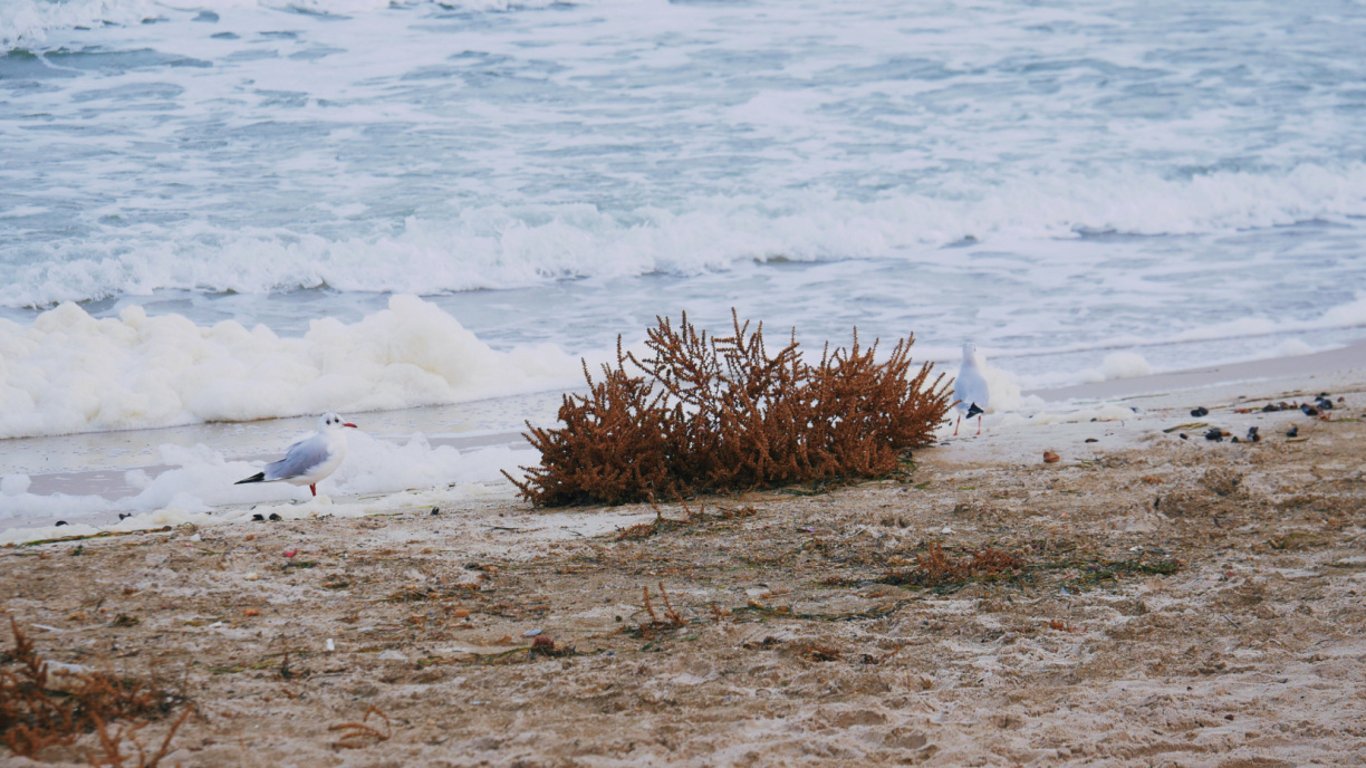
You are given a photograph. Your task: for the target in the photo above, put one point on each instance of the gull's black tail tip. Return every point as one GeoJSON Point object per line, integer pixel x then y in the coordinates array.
{"type": "Point", "coordinates": [972, 411]}
{"type": "Point", "coordinates": [259, 477]}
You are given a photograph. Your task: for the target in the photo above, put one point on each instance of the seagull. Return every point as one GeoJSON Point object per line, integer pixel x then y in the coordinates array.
{"type": "Point", "coordinates": [310, 460]}
{"type": "Point", "coordinates": [970, 389]}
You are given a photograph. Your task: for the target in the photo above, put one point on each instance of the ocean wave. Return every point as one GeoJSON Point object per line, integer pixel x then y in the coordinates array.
{"type": "Point", "coordinates": [69, 372]}
{"type": "Point", "coordinates": [29, 22]}
{"type": "Point", "coordinates": [505, 246]}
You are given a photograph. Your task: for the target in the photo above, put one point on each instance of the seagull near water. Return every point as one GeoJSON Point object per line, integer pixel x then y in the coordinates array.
{"type": "Point", "coordinates": [970, 389]}
{"type": "Point", "coordinates": [310, 460]}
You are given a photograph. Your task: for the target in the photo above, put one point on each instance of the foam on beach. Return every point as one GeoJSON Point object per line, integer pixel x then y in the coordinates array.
{"type": "Point", "coordinates": [69, 372]}
{"type": "Point", "coordinates": [199, 487]}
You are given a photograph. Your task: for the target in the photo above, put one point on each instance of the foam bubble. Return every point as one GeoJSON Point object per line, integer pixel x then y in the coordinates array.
{"type": "Point", "coordinates": [1124, 365]}
{"type": "Point", "coordinates": [69, 372]}
{"type": "Point", "coordinates": [1292, 348]}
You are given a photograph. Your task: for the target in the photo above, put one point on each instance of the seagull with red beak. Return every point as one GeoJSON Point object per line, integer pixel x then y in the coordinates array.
{"type": "Point", "coordinates": [310, 460]}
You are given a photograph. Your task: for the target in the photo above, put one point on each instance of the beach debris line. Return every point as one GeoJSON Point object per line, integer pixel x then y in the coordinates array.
{"type": "Point", "coordinates": [970, 390]}
{"type": "Point", "coordinates": [700, 413]}
{"type": "Point", "coordinates": [311, 460]}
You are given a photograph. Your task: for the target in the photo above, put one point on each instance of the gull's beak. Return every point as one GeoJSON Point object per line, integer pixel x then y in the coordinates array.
{"type": "Point", "coordinates": [349, 424]}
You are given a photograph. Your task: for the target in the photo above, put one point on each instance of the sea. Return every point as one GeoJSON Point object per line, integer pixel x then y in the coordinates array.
{"type": "Point", "coordinates": [221, 218]}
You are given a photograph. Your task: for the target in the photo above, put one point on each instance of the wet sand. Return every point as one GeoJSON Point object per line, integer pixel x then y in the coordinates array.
{"type": "Point", "coordinates": [1175, 602]}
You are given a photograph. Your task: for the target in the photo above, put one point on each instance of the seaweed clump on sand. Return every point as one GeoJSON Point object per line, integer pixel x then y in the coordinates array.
{"type": "Point", "coordinates": [704, 414]}
{"type": "Point", "coordinates": [37, 712]}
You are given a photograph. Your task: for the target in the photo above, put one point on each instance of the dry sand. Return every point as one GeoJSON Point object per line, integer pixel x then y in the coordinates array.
{"type": "Point", "coordinates": [1182, 602]}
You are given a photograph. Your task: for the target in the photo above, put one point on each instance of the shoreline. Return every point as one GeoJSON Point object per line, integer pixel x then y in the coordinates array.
{"type": "Point", "coordinates": [93, 469]}
{"type": "Point", "coordinates": [1176, 599]}
{"type": "Point", "coordinates": [1330, 367]}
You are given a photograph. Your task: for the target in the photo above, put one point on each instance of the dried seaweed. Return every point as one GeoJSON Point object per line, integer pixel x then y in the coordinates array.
{"type": "Point", "coordinates": [360, 733]}
{"type": "Point", "coordinates": [36, 714]}
{"type": "Point", "coordinates": [702, 414]}
{"type": "Point", "coordinates": [935, 569]}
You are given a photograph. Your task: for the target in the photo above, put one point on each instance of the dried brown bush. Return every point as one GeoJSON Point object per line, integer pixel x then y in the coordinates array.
{"type": "Point", "coordinates": [35, 713]}
{"type": "Point", "coordinates": [704, 413]}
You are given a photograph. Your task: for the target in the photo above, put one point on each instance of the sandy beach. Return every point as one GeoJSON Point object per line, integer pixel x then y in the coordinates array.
{"type": "Point", "coordinates": [1161, 599]}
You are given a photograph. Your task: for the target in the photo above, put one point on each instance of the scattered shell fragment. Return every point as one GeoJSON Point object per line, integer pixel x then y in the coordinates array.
{"type": "Point", "coordinates": [1050, 457]}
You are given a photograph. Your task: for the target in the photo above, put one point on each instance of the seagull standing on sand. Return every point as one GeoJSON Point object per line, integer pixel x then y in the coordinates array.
{"type": "Point", "coordinates": [970, 389]}
{"type": "Point", "coordinates": [310, 460]}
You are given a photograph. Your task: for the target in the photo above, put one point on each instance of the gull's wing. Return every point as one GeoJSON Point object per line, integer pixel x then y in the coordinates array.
{"type": "Point", "coordinates": [301, 457]}
{"type": "Point", "coordinates": [971, 387]}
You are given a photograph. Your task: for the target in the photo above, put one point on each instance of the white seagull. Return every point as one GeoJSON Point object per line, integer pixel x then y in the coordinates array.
{"type": "Point", "coordinates": [970, 389]}
{"type": "Point", "coordinates": [310, 460]}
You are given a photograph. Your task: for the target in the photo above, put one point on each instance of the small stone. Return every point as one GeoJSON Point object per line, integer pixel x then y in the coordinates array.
{"type": "Point", "coordinates": [1050, 457]}
{"type": "Point", "coordinates": [1201, 411]}
{"type": "Point", "coordinates": [1293, 432]}
{"type": "Point", "coordinates": [258, 517]}
{"type": "Point", "coordinates": [61, 523]}
{"type": "Point", "coordinates": [1092, 440]}
{"type": "Point", "coordinates": [275, 516]}
{"type": "Point", "coordinates": [436, 511]}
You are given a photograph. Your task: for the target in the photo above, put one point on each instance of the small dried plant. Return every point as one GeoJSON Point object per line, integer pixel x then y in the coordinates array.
{"type": "Point", "coordinates": [36, 714]}
{"type": "Point", "coordinates": [703, 414]}
{"type": "Point", "coordinates": [935, 569]}
{"type": "Point", "coordinates": [361, 733]}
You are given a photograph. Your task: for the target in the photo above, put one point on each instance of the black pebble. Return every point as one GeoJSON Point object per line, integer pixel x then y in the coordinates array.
{"type": "Point", "coordinates": [1270, 408]}
{"type": "Point", "coordinates": [1324, 404]}
{"type": "Point", "coordinates": [1092, 440]}
{"type": "Point", "coordinates": [1252, 434]}
{"type": "Point", "coordinates": [1183, 436]}
{"type": "Point", "coordinates": [258, 517]}
{"type": "Point", "coordinates": [1215, 434]}
{"type": "Point", "coordinates": [275, 516]}
{"type": "Point", "coordinates": [1293, 432]}
{"type": "Point", "coordinates": [436, 510]}
{"type": "Point", "coordinates": [60, 523]}
{"type": "Point", "coordinates": [1201, 411]}
{"type": "Point", "coordinates": [1309, 410]}
{"type": "Point", "coordinates": [125, 515]}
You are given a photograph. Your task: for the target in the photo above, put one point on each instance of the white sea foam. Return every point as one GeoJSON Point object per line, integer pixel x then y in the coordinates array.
{"type": "Point", "coordinates": [28, 21]}
{"type": "Point", "coordinates": [200, 480]}
{"type": "Point", "coordinates": [1120, 365]}
{"type": "Point", "coordinates": [69, 372]}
